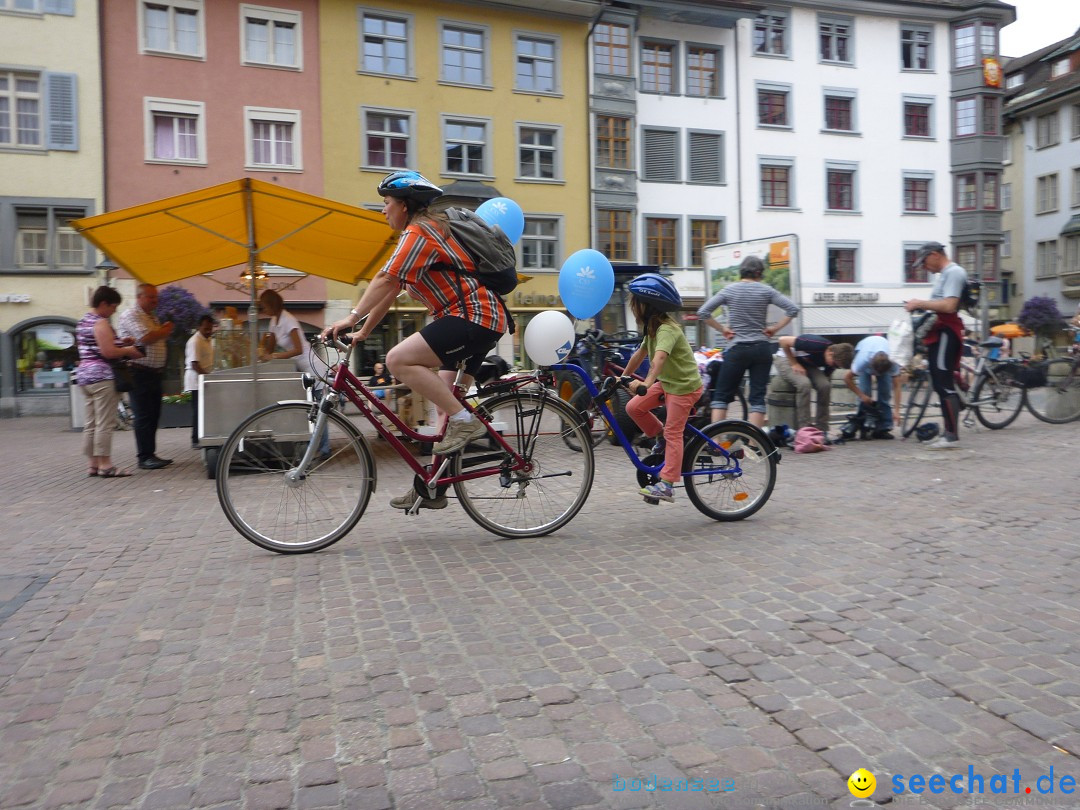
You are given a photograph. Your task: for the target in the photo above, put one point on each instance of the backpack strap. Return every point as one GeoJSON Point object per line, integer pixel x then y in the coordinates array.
{"type": "Point", "coordinates": [511, 324]}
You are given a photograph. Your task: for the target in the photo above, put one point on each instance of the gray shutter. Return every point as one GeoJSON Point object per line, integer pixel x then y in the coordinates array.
{"type": "Point", "coordinates": [62, 111]}
{"type": "Point", "coordinates": [661, 155]}
{"type": "Point", "coordinates": [64, 7]}
{"type": "Point", "coordinates": [706, 157]}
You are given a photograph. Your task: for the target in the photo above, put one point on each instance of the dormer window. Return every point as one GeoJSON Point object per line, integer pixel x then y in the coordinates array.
{"type": "Point", "coordinates": [1059, 68]}
{"type": "Point", "coordinates": [1014, 80]}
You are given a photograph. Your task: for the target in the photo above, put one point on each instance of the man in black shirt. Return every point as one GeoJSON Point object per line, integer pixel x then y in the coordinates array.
{"type": "Point", "coordinates": [806, 362]}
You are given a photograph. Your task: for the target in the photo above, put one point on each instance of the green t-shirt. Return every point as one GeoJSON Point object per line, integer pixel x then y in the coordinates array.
{"type": "Point", "coordinates": [680, 372]}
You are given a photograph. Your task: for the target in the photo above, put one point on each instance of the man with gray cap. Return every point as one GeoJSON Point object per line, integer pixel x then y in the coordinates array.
{"type": "Point", "coordinates": [945, 341]}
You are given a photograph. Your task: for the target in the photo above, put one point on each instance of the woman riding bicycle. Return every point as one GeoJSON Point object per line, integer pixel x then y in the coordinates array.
{"type": "Point", "coordinates": [468, 318]}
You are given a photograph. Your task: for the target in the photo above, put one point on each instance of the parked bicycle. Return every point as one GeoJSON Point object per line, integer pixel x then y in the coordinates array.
{"type": "Point", "coordinates": [519, 480]}
{"type": "Point", "coordinates": [1057, 400]}
{"type": "Point", "coordinates": [729, 467]}
{"type": "Point", "coordinates": [995, 398]}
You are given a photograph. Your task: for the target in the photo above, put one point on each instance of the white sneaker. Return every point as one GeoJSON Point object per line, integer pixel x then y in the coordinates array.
{"type": "Point", "coordinates": [459, 434]}
{"type": "Point", "coordinates": [944, 444]}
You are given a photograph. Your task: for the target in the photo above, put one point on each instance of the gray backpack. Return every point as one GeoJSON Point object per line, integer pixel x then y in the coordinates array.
{"type": "Point", "coordinates": [489, 248]}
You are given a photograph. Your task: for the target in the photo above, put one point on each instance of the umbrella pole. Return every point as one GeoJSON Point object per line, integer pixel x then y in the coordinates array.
{"type": "Point", "coordinates": [253, 310]}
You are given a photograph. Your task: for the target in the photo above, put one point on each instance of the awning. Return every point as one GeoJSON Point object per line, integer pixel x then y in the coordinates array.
{"type": "Point", "coordinates": [240, 223]}
{"type": "Point", "coordinates": [856, 320]}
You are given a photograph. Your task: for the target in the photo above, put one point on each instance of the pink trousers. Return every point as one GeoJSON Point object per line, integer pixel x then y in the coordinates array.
{"type": "Point", "coordinates": [678, 409]}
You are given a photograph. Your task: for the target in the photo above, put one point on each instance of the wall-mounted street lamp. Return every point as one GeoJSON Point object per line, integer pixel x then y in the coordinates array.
{"type": "Point", "coordinates": [106, 266]}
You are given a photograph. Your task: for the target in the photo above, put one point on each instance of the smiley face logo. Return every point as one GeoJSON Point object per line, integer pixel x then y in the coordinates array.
{"type": "Point", "coordinates": [861, 783]}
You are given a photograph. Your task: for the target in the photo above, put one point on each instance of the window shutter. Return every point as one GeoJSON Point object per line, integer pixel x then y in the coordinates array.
{"type": "Point", "coordinates": [661, 156]}
{"type": "Point", "coordinates": [62, 108]}
{"type": "Point", "coordinates": [706, 157]}
{"type": "Point", "coordinates": [64, 7]}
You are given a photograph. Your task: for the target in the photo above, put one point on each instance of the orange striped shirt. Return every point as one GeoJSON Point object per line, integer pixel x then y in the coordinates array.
{"type": "Point", "coordinates": [422, 246]}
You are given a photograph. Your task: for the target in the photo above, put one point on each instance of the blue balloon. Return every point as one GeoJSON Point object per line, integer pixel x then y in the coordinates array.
{"type": "Point", "coordinates": [506, 214]}
{"type": "Point", "coordinates": [586, 282]}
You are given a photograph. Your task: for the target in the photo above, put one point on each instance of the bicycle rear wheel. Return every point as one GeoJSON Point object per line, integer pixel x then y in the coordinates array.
{"type": "Point", "coordinates": [735, 487]}
{"type": "Point", "coordinates": [293, 516]}
{"type": "Point", "coordinates": [996, 402]}
{"type": "Point", "coordinates": [918, 400]}
{"type": "Point", "coordinates": [591, 416]}
{"type": "Point", "coordinates": [1058, 401]}
{"type": "Point", "coordinates": [546, 496]}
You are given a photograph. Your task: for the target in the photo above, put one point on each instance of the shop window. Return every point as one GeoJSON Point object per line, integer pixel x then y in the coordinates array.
{"type": "Point", "coordinates": [45, 358]}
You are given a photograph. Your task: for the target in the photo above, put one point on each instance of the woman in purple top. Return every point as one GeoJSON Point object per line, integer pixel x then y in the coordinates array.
{"type": "Point", "coordinates": [98, 345]}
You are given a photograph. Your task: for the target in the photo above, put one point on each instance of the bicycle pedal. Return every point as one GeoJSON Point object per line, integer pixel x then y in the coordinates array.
{"type": "Point", "coordinates": [652, 501]}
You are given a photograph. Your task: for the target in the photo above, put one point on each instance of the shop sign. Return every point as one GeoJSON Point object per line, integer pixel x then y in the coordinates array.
{"type": "Point", "coordinates": [844, 298]}
{"type": "Point", "coordinates": [14, 298]}
{"type": "Point", "coordinates": [527, 299]}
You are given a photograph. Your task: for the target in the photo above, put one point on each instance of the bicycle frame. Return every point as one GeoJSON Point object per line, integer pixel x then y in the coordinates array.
{"type": "Point", "coordinates": [625, 443]}
{"type": "Point", "coordinates": [346, 384]}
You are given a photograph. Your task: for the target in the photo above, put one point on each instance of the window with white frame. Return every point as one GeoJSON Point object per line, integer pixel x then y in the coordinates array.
{"type": "Point", "coordinates": [537, 63]}
{"type": "Point", "coordinates": [839, 110]}
{"type": "Point", "coordinates": [1047, 131]}
{"type": "Point", "coordinates": [774, 104]}
{"type": "Point", "coordinates": [385, 42]}
{"type": "Point", "coordinates": [464, 54]}
{"type": "Point", "coordinates": [271, 36]}
{"type": "Point", "coordinates": [1014, 80]}
{"type": "Point", "coordinates": [967, 187]}
{"type": "Point", "coordinates": [175, 27]}
{"type": "Point", "coordinates": [705, 157]}
{"type": "Point", "coordinates": [1059, 67]}
{"type": "Point", "coordinates": [1006, 244]}
{"type": "Point", "coordinates": [990, 262]}
{"type": "Point", "coordinates": [1072, 255]}
{"type": "Point", "coordinates": [22, 122]}
{"type": "Point", "coordinates": [32, 6]}
{"type": "Point", "coordinates": [1075, 195]}
{"type": "Point", "coordinates": [918, 116]}
{"type": "Point", "coordinates": [704, 232]}
{"type": "Point", "coordinates": [388, 139]}
{"type": "Point", "coordinates": [918, 192]}
{"type": "Point", "coordinates": [916, 47]}
{"type": "Point", "coordinates": [538, 152]}
{"type": "Point", "coordinates": [842, 261]}
{"type": "Point", "coordinates": [175, 131]}
{"type": "Point", "coordinates": [1046, 259]}
{"type": "Point", "coordinates": [836, 39]}
{"type": "Point", "coordinates": [840, 186]}
{"type": "Point", "coordinates": [965, 255]}
{"type": "Point", "coordinates": [777, 189]}
{"type": "Point", "coordinates": [964, 124]}
{"type": "Point", "coordinates": [1006, 196]}
{"type": "Point", "coordinates": [660, 155]}
{"type": "Point", "coordinates": [991, 115]}
{"type": "Point", "coordinates": [273, 138]}
{"type": "Point", "coordinates": [1046, 193]}
{"type": "Point", "coordinates": [991, 182]}
{"type": "Point", "coordinates": [1075, 121]}
{"type": "Point", "coordinates": [45, 239]}
{"type": "Point", "coordinates": [658, 69]}
{"type": "Point", "coordinates": [771, 32]}
{"type": "Point", "coordinates": [703, 65]}
{"type": "Point", "coordinates": [972, 41]}
{"type": "Point", "coordinates": [465, 146]}
{"type": "Point", "coordinates": [540, 243]}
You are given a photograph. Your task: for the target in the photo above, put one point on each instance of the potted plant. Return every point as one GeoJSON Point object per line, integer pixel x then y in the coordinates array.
{"type": "Point", "coordinates": [182, 308]}
{"type": "Point", "coordinates": [1041, 316]}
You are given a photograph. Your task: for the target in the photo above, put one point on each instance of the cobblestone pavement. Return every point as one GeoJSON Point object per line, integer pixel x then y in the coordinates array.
{"type": "Point", "coordinates": [891, 608]}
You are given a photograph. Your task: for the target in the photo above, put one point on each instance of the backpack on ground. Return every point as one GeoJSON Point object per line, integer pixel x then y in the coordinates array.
{"type": "Point", "coordinates": [809, 439]}
{"type": "Point", "coordinates": [492, 253]}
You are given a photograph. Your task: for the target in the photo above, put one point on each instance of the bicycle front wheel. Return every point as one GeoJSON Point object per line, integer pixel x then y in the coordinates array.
{"type": "Point", "coordinates": [546, 496]}
{"type": "Point", "coordinates": [591, 417]}
{"type": "Point", "coordinates": [735, 487]}
{"type": "Point", "coordinates": [918, 400]}
{"type": "Point", "coordinates": [996, 403]}
{"type": "Point", "coordinates": [283, 512]}
{"type": "Point", "coordinates": [1058, 401]}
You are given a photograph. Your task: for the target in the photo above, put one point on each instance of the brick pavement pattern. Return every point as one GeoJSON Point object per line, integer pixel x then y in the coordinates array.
{"type": "Point", "coordinates": [890, 608]}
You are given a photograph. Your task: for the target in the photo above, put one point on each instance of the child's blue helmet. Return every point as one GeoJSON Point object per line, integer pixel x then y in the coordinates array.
{"type": "Point", "coordinates": [656, 290]}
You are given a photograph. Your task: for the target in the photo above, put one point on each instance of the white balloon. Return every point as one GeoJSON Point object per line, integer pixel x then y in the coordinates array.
{"type": "Point", "coordinates": [549, 337]}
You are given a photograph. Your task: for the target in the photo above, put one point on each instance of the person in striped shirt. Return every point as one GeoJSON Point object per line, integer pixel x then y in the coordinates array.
{"type": "Point", "coordinates": [467, 318]}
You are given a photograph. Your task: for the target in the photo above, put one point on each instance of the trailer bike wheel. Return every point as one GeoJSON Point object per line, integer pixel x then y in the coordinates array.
{"type": "Point", "coordinates": [996, 402]}
{"type": "Point", "coordinates": [1058, 401]}
{"type": "Point", "coordinates": [535, 501]}
{"type": "Point", "coordinates": [736, 485]}
{"type": "Point", "coordinates": [279, 510]}
{"type": "Point", "coordinates": [918, 400]}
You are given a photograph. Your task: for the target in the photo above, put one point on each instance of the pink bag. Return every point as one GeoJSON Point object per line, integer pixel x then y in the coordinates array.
{"type": "Point", "coordinates": [809, 440]}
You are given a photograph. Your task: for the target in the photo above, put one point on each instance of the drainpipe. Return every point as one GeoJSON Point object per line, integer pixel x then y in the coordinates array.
{"type": "Point", "coordinates": [738, 138]}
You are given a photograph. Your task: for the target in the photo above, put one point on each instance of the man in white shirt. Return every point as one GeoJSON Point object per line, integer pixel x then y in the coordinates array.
{"type": "Point", "coordinates": [198, 359]}
{"type": "Point", "coordinates": [872, 360]}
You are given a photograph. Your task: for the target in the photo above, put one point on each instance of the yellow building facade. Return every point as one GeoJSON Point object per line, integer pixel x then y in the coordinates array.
{"type": "Point", "coordinates": [485, 101]}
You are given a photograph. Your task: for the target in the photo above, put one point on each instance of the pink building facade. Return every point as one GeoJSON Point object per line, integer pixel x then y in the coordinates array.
{"type": "Point", "coordinates": [200, 92]}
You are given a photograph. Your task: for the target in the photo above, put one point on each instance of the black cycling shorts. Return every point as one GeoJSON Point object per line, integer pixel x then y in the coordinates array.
{"type": "Point", "coordinates": [454, 339]}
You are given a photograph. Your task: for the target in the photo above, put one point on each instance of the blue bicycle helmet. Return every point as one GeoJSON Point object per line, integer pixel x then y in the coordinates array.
{"type": "Point", "coordinates": [657, 290]}
{"type": "Point", "coordinates": [409, 185]}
